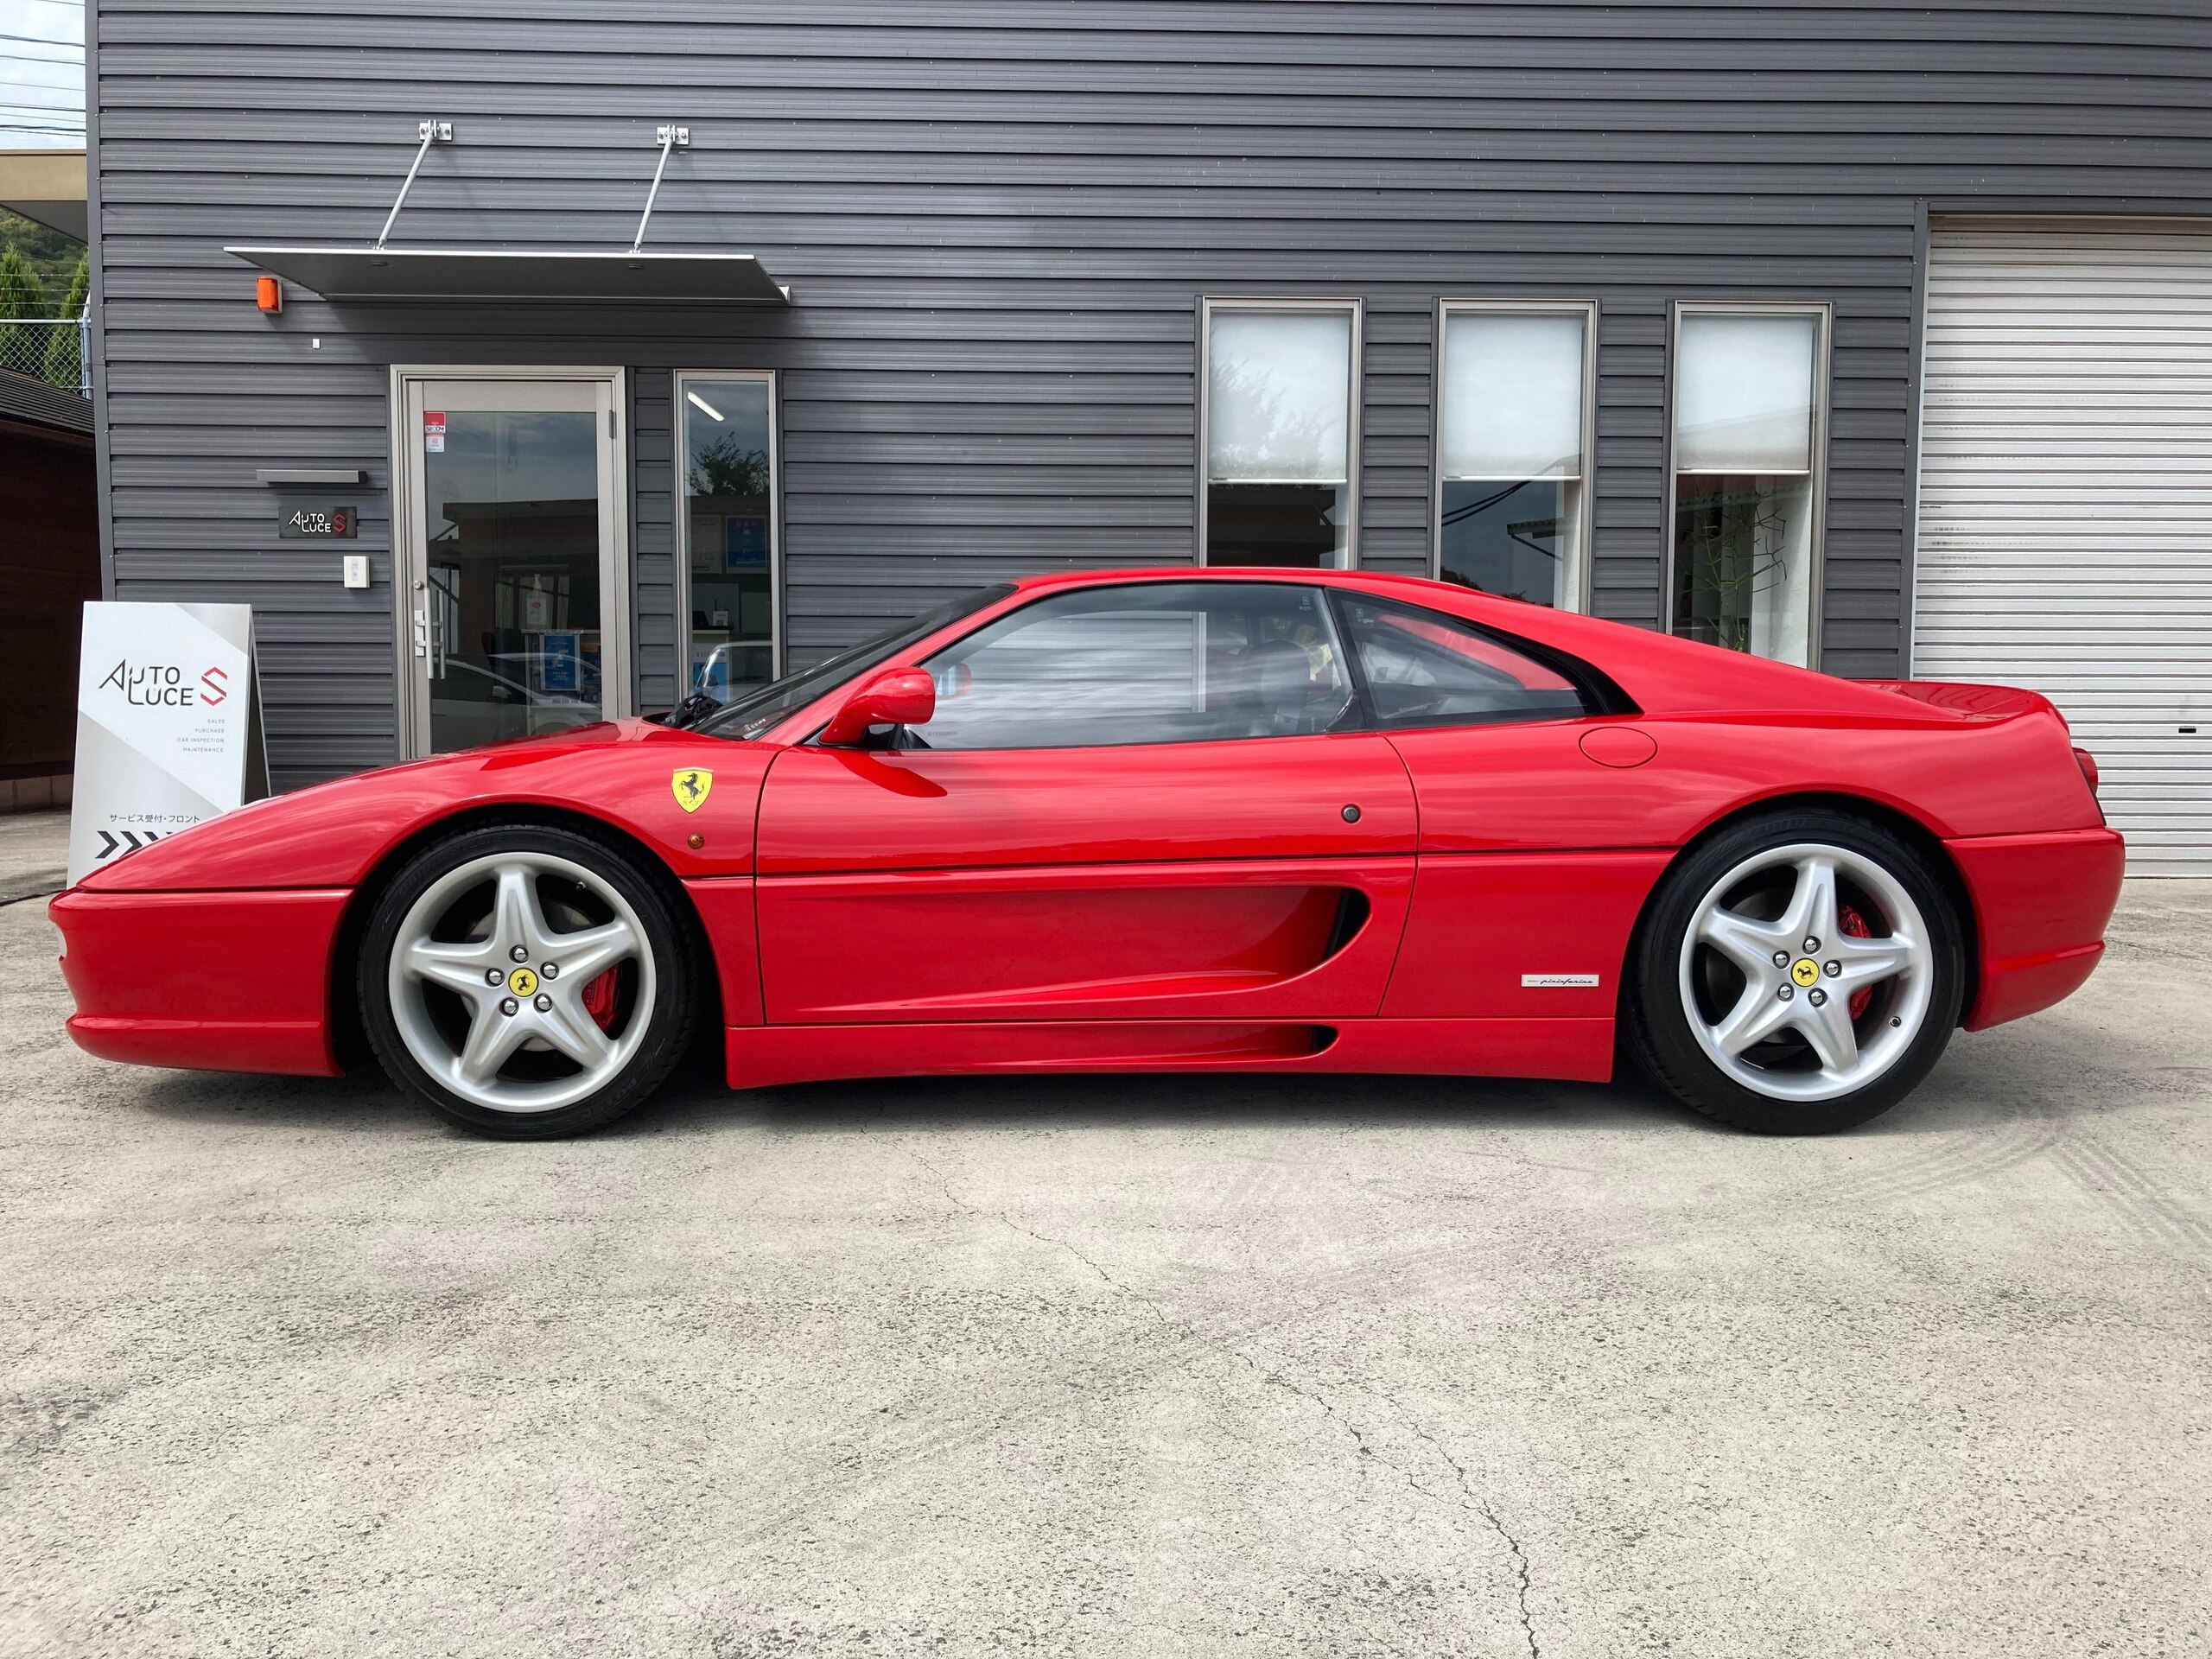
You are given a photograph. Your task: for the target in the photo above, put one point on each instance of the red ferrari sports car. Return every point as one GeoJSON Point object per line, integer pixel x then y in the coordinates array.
{"type": "Point", "coordinates": [1167, 820]}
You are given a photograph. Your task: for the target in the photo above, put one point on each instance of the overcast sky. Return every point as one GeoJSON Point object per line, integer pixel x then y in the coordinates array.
{"type": "Point", "coordinates": [42, 73]}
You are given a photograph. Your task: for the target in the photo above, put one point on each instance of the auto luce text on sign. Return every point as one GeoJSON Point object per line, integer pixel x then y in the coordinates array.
{"type": "Point", "coordinates": [152, 685]}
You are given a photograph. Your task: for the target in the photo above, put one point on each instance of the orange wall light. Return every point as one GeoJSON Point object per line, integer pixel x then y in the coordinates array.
{"type": "Point", "coordinates": [269, 294]}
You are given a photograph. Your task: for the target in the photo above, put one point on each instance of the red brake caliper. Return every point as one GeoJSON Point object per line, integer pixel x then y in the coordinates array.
{"type": "Point", "coordinates": [598, 999]}
{"type": "Point", "coordinates": [1855, 926]}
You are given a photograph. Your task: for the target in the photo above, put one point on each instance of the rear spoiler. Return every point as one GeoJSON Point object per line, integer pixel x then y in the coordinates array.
{"type": "Point", "coordinates": [1975, 702]}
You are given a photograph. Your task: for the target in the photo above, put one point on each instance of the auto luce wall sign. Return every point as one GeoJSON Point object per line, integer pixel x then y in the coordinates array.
{"type": "Point", "coordinates": [169, 726]}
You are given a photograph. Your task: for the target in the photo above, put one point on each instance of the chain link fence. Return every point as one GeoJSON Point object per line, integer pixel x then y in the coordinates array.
{"type": "Point", "coordinates": [57, 350]}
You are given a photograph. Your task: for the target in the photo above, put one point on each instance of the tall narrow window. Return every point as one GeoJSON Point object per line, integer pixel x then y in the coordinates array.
{"type": "Point", "coordinates": [1513, 449]}
{"type": "Point", "coordinates": [730, 554]}
{"type": "Point", "coordinates": [1748, 388]}
{"type": "Point", "coordinates": [1281, 430]}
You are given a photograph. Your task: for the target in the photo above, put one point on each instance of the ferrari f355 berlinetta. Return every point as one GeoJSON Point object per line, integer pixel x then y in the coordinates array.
{"type": "Point", "coordinates": [1169, 820]}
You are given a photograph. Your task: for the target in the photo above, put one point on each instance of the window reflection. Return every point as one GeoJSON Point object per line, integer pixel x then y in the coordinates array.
{"type": "Point", "coordinates": [1511, 461]}
{"type": "Point", "coordinates": [1278, 440]}
{"type": "Point", "coordinates": [1745, 459]}
{"type": "Point", "coordinates": [1153, 663]}
{"type": "Point", "coordinates": [729, 505]}
{"type": "Point", "coordinates": [514, 600]}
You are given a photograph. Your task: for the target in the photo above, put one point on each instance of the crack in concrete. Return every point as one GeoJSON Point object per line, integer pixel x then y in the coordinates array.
{"type": "Point", "coordinates": [1468, 1500]}
{"type": "Point", "coordinates": [1482, 1507]}
{"type": "Point", "coordinates": [944, 1184]}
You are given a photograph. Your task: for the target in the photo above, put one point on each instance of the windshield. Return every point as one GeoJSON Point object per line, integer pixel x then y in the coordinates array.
{"type": "Point", "coordinates": [750, 715]}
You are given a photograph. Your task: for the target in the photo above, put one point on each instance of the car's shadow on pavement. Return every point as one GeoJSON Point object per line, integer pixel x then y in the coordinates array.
{"type": "Point", "coordinates": [1958, 1097]}
{"type": "Point", "coordinates": [696, 1099]}
{"type": "Point", "coordinates": [1139, 1099]}
{"type": "Point", "coordinates": [364, 1099]}
{"type": "Point", "coordinates": [1992, 1089]}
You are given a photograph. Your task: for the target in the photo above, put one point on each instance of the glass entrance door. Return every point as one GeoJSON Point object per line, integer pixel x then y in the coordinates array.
{"type": "Point", "coordinates": [511, 535]}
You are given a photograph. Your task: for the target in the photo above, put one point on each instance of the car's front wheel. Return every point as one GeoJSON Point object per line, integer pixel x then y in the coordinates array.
{"type": "Point", "coordinates": [527, 981]}
{"type": "Point", "coordinates": [1798, 974]}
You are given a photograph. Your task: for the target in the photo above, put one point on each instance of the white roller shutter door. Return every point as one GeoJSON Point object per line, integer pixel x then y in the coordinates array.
{"type": "Point", "coordinates": [2065, 534]}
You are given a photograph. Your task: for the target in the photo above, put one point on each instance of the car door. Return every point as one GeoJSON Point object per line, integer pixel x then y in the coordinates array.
{"type": "Point", "coordinates": [1533, 868]}
{"type": "Point", "coordinates": [1143, 801]}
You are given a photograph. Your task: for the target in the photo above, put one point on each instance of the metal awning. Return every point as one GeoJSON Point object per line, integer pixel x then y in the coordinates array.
{"type": "Point", "coordinates": [377, 272]}
{"type": "Point", "coordinates": [509, 274]}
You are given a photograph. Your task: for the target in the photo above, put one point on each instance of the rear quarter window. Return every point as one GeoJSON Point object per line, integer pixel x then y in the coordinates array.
{"type": "Point", "coordinates": [1423, 668]}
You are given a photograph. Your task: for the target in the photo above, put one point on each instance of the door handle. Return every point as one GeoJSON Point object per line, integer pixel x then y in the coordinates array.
{"type": "Point", "coordinates": [429, 644]}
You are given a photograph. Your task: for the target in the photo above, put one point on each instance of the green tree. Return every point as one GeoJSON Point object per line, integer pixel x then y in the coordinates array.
{"type": "Point", "coordinates": [63, 365]}
{"type": "Point", "coordinates": [724, 466]}
{"type": "Point", "coordinates": [52, 254]}
{"type": "Point", "coordinates": [23, 296]}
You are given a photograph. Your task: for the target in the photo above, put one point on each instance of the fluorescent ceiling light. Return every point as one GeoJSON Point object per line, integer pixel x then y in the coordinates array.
{"type": "Point", "coordinates": [704, 404]}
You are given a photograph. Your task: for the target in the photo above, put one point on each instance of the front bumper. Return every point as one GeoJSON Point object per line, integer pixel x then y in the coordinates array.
{"type": "Point", "coordinates": [219, 982]}
{"type": "Point", "coordinates": [2041, 903]}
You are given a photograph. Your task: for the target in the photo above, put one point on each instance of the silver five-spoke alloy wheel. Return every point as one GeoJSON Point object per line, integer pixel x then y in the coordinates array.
{"type": "Point", "coordinates": [536, 1035]}
{"type": "Point", "coordinates": [1807, 972]}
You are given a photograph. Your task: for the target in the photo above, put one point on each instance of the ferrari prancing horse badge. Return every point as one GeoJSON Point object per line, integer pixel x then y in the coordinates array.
{"type": "Point", "coordinates": [692, 786]}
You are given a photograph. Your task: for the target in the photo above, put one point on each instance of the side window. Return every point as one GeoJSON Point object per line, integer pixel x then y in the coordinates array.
{"type": "Point", "coordinates": [1425, 669]}
{"type": "Point", "coordinates": [1151, 663]}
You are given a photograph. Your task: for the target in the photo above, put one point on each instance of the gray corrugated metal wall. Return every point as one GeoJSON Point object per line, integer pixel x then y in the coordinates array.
{"type": "Point", "coordinates": [996, 217]}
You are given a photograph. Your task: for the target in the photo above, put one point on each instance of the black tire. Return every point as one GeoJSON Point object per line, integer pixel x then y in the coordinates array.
{"type": "Point", "coordinates": [1656, 1024]}
{"type": "Point", "coordinates": [679, 976]}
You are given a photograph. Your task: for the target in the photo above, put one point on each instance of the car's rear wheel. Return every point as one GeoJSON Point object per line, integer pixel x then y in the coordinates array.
{"type": "Point", "coordinates": [526, 980]}
{"type": "Point", "coordinates": [1798, 974]}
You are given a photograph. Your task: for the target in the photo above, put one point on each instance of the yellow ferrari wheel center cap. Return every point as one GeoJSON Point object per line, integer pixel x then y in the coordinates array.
{"type": "Point", "coordinates": [521, 982]}
{"type": "Point", "coordinates": [1805, 971]}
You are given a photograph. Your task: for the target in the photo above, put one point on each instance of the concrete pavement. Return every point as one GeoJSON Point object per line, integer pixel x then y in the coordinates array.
{"type": "Point", "coordinates": [1118, 1366]}
{"type": "Point", "coordinates": [33, 853]}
